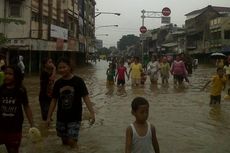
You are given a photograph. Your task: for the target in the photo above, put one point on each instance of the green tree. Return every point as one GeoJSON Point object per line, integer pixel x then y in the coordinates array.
{"type": "Point", "coordinates": [103, 51]}
{"type": "Point", "coordinates": [127, 40]}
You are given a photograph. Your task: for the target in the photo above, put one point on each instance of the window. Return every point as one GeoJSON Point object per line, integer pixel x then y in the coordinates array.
{"type": "Point", "coordinates": [34, 17]}
{"type": "Point", "coordinates": [45, 19]}
{"type": "Point", "coordinates": [227, 34]}
{"type": "Point", "coordinates": [15, 10]}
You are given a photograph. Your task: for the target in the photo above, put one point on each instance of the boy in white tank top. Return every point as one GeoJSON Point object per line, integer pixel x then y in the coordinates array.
{"type": "Point", "coordinates": [141, 135]}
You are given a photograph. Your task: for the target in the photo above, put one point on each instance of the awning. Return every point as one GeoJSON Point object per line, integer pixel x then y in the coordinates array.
{"type": "Point", "coordinates": [169, 44]}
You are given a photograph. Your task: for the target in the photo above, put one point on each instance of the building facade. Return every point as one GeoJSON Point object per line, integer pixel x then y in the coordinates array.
{"type": "Point", "coordinates": [198, 32]}
{"type": "Point", "coordinates": [52, 28]}
{"type": "Point", "coordinates": [220, 35]}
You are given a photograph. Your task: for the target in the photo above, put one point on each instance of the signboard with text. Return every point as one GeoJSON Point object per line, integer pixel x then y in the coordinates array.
{"type": "Point", "coordinates": [58, 32]}
{"type": "Point", "coordinates": [165, 19]}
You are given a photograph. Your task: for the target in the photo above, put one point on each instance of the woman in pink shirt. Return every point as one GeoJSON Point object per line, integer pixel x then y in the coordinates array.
{"type": "Point", "coordinates": [178, 70]}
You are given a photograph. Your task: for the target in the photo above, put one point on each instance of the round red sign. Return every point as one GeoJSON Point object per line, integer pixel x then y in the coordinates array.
{"type": "Point", "coordinates": [166, 11]}
{"type": "Point", "coordinates": [143, 29]}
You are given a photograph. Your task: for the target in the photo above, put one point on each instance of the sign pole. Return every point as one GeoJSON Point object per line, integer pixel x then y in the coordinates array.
{"type": "Point", "coordinates": [142, 41]}
{"type": "Point", "coordinates": [164, 13]}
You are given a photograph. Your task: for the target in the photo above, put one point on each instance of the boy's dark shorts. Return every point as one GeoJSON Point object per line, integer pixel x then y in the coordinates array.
{"type": "Point", "coordinates": [120, 82]}
{"type": "Point", "coordinates": [215, 99]}
{"type": "Point", "coordinates": [11, 140]}
{"type": "Point", "coordinates": [68, 130]}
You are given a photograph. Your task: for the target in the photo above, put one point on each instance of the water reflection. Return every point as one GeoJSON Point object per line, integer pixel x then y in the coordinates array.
{"type": "Point", "coordinates": [215, 113]}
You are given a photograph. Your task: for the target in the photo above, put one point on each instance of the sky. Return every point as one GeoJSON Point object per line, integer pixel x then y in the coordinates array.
{"type": "Point", "coordinates": [130, 20]}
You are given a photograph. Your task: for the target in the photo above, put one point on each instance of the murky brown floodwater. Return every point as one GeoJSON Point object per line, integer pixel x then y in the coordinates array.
{"type": "Point", "coordinates": [184, 120]}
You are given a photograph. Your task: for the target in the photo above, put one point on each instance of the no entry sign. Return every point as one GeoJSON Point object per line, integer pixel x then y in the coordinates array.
{"type": "Point", "coordinates": [166, 11]}
{"type": "Point", "coordinates": [143, 29]}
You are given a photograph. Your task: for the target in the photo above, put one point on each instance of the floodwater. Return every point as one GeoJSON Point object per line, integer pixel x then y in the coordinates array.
{"type": "Point", "coordinates": [184, 121]}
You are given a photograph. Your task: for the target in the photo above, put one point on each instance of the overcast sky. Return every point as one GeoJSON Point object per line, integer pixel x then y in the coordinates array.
{"type": "Point", "coordinates": [130, 19]}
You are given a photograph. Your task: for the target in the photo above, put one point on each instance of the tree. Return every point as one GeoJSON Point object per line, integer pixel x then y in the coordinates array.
{"type": "Point", "coordinates": [127, 40]}
{"type": "Point", "coordinates": [103, 51]}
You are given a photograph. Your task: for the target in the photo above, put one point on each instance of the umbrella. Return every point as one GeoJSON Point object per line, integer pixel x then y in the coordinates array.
{"type": "Point", "coordinates": [218, 55]}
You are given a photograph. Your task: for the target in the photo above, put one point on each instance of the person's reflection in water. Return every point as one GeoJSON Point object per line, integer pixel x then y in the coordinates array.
{"type": "Point", "coordinates": [215, 113]}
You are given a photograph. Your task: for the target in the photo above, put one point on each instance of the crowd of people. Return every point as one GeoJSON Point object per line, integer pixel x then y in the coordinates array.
{"type": "Point", "coordinates": [159, 67]}
{"type": "Point", "coordinates": [69, 91]}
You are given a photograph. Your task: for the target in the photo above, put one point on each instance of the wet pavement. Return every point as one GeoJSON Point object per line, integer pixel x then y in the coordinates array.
{"type": "Point", "coordinates": [184, 121]}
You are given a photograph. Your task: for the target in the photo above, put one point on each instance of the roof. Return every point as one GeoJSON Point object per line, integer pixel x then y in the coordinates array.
{"type": "Point", "coordinates": [216, 8]}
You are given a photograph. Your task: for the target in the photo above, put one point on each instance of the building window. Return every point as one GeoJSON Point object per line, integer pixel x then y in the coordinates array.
{"type": "Point", "coordinates": [45, 19]}
{"type": "Point", "coordinates": [34, 17]}
{"type": "Point", "coordinates": [81, 47]}
{"type": "Point", "coordinates": [227, 34]}
{"type": "Point", "coordinates": [15, 10]}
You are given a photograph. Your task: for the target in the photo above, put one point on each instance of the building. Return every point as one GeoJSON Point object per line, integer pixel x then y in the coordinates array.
{"type": "Point", "coordinates": [220, 35]}
{"type": "Point", "coordinates": [168, 39]}
{"type": "Point", "coordinates": [52, 28]}
{"type": "Point", "coordinates": [198, 34]}
{"type": "Point", "coordinates": [98, 44]}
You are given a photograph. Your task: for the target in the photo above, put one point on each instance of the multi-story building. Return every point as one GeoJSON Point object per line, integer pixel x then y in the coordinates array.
{"type": "Point", "coordinates": [52, 28]}
{"type": "Point", "coordinates": [198, 34]}
{"type": "Point", "coordinates": [220, 34]}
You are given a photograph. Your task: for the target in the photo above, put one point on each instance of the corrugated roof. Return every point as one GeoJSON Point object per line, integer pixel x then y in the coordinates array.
{"type": "Point", "coordinates": [216, 8]}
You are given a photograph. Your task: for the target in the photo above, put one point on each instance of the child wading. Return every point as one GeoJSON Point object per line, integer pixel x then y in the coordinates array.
{"type": "Point", "coordinates": [110, 72]}
{"type": "Point", "coordinates": [12, 97]}
{"type": "Point", "coordinates": [120, 75]}
{"type": "Point", "coordinates": [218, 84]}
{"type": "Point", "coordinates": [141, 135]}
{"type": "Point", "coordinates": [68, 92]}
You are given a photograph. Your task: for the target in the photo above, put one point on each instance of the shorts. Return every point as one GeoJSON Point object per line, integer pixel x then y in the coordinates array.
{"type": "Point", "coordinates": [11, 140]}
{"type": "Point", "coordinates": [120, 82]}
{"type": "Point", "coordinates": [68, 130]}
{"type": "Point", "coordinates": [215, 99]}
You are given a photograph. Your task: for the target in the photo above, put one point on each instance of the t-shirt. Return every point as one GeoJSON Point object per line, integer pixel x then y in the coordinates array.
{"type": "Point", "coordinates": [178, 68]}
{"type": "Point", "coordinates": [121, 72]}
{"type": "Point", "coordinates": [11, 114]}
{"type": "Point", "coordinates": [165, 69]}
{"type": "Point", "coordinates": [217, 85]}
{"type": "Point", "coordinates": [153, 68]}
{"type": "Point", "coordinates": [136, 70]}
{"type": "Point", "coordinates": [69, 95]}
{"type": "Point", "coordinates": [110, 74]}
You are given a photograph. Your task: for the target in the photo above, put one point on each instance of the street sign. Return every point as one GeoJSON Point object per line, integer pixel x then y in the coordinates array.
{"type": "Point", "coordinates": [143, 29]}
{"type": "Point", "coordinates": [166, 11]}
{"type": "Point", "coordinates": [165, 19]}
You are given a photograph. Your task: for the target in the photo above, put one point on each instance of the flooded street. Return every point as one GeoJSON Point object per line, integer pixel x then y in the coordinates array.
{"type": "Point", "coordinates": [184, 121]}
